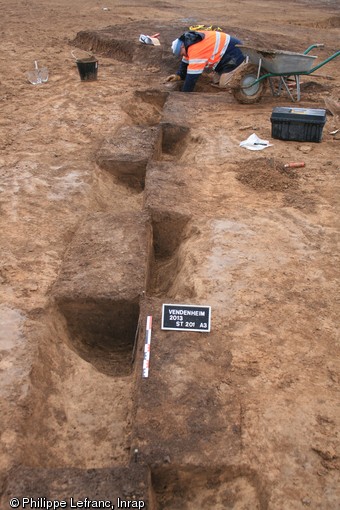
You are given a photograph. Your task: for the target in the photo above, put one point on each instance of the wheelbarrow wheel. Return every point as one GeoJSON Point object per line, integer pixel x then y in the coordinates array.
{"type": "Point", "coordinates": [243, 90]}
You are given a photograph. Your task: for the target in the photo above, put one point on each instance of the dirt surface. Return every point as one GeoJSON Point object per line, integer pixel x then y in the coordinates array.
{"type": "Point", "coordinates": [119, 195]}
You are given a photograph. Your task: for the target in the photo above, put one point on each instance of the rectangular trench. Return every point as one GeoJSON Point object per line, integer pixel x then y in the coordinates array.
{"type": "Point", "coordinates": [83, 379]}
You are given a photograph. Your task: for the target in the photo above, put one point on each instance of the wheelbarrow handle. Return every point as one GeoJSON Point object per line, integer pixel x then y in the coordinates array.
{"type": "Point", "coordinates": [317, 45]}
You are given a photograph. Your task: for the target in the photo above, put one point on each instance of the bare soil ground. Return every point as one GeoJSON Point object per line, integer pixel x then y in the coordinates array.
{"type": "Point", "coordinates": [119, 195]}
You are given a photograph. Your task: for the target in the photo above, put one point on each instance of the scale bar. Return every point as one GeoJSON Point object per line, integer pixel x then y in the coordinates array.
{"type": "Point", "coordinates": [147, 347]}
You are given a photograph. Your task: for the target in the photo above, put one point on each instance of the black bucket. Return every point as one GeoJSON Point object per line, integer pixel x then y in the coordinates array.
{"type": "Point", "coordinates": [88, 68]}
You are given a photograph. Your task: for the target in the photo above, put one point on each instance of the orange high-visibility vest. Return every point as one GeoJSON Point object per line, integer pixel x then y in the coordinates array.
{"type": "Point", "coordinates": [206, 53]}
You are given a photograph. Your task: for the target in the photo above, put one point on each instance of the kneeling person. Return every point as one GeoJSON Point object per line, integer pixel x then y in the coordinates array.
{"type": "Point", "coordinates": [205, 49]}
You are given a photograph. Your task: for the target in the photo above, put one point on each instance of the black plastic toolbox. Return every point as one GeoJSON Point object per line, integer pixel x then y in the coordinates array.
{"type": "Point", "coordinates": [299, 124]}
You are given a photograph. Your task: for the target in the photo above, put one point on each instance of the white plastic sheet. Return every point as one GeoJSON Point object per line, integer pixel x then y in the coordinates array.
{"type": "Point", "coordinates": [254, 143]}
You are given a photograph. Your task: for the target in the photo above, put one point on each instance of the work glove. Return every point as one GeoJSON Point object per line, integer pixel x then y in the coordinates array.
{"type": "Point", "coordinates": [173, 77]}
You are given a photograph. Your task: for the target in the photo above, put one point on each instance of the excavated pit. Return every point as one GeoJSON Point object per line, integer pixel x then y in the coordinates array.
{"type": "Point", "coordinates": [99, 287]}
{"type": "Point", "coordinates": [174, 139]}
{"type": "Point", "coordinates": [102, 332]}
{"type": "Point", "coordinates": [112, 42]}
{"type": "Point", "coordinates": [145, 107]}
{"type": "Point", "coordinates": [169, 232]}
{"type": "Point", "coordinates": [83, 376]}
{"type": "Point", "coordinates": [107, 43]}
{"type": "Point", "coordinates": [153, 97]}
{"type": "Point", "coordinates": [80, 410]}
{"type": "Point", "coordinates": [126, 155]}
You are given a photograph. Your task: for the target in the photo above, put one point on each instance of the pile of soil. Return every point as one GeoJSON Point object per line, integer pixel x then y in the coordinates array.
{"type": "Point", "coordinates": [268, 175]}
